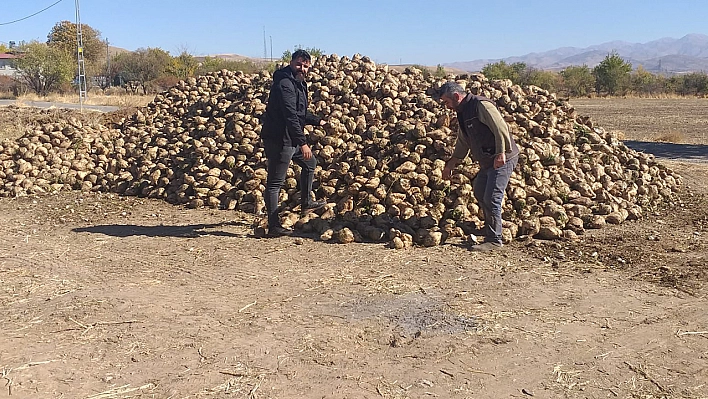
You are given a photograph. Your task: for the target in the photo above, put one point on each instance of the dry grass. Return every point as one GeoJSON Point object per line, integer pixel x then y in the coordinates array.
{"type": "Point", "coordinates": [117, 100]}
{"type": "Point", "coordinates": [6, 95]}
{"type": "Point", "coordinates": [672, 136]}
{"type": "Point", "coordinates": [642, 96]}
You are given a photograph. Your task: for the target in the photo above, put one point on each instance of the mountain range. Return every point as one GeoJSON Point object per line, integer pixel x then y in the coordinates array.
{"type": "Point", "coordinates": [665, 56]}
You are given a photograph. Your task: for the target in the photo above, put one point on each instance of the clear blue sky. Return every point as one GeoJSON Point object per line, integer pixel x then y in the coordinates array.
{"type": "Point", "coordinates": [389, 31]}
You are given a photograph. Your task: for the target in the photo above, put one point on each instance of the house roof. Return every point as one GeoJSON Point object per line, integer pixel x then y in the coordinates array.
{"type": "Point", "coordinates": [7, 56]}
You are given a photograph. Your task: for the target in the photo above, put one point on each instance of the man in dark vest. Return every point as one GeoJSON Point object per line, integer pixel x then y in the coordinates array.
{"type": "Point", "coordinates": [484, 135]}
{"type": "Point", "coordinates": [284, 140]}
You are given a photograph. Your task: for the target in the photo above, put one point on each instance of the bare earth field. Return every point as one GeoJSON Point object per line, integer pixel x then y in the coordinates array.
{"type": "Point", "coordinates": [121, 297]}
{"type": "Point", "coordinates": [680, 120]}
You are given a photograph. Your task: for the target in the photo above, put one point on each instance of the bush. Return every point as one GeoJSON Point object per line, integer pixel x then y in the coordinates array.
{"type": "Point", "coordinates": [8, 87]}
{"type": "Point", "coordinates": [114, 91]}
{"type": "Point", "coordinates": [161, 84]}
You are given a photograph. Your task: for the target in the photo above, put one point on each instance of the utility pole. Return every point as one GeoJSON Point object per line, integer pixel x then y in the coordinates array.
{"type": "Point", "coordinates": [108, 65]}
{"type": "Point", "coordinates": [80, 59]}
{"type": "Point", "coordinates": [271, 48]}
{"type": "Point", "coordinates": [265, 48]}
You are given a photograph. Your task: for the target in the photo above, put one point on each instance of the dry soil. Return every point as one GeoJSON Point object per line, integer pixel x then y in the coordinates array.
{"type": "Point", "coordinates": [121, 297]}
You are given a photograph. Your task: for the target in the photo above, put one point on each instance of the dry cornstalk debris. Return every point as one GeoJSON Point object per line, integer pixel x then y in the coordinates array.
{"type": "Point", "coordinates": [380, 157]}
{"type": "Point", "coordinates": [94, 325]}
{"type": "Point", "coordinates": [119, 392]}
{"type": "Point", "coordinates": [247, 306]}
{"type": "Point", "coordinates": [644, 374]}
{"type": "Point", "coordinates": [32, 364]}
{"type": "Point", "coordinates": [475, 371]}
{"type": "Point", "coordinates": [243, 381]}
{"type": "Point", "coordinates": [701, 333]}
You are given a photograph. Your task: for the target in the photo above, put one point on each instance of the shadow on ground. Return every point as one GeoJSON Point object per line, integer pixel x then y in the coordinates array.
{"type": "Point", "coordinates": [685, 152]}
{"type": "Point", "coordinates": [187, 231]}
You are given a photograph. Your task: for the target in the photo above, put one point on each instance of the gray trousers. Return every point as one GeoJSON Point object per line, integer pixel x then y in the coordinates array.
{"type": "Point", "coordinates": [489, 187]}
{"type": "Point", "coordinates": [279, 157]}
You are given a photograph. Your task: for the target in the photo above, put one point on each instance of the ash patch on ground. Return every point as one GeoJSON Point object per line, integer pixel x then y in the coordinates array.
{"type": "Point", "coordinates": [410, 314]}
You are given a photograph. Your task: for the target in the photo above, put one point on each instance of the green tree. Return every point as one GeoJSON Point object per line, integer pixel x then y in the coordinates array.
{"type": "Point", "coordinates": [4, 49]}
{"type": "Point", "coordinates": [644, 82]}
{"type": "Point", "coordinates": [142, 65]}
{"type": "Point", "coordinates": [440, 71]}
{"type": "Point", "coordinates": [660, 84]}
{"type": "Point", "coordinates": [612, 74]}
{"type": "Point", "coordinates": [210, 64]}
{"type": "Point", "coordinates": [182, 66]}
{"type": "Point", "coordinates": [577, 80]}
{"type": "Point", "coordinates": [213, 64]}
{"type": "Point", "coordinates": [695, 83]}
{"type": "Point", "coordinates": [63, 36]}
{"type": "Point", "coordinates": [313, 51]}
{"type": "Point", "coordinates": [44, 68]}
{"type": "Point", "coordinates": [502, 70]}
{"type": "Point", "coordinates": [94, 49]}
{"type": "Point", "coordinates": [673, 84]}
{"type": "Point", "coordinates": [546, 80]}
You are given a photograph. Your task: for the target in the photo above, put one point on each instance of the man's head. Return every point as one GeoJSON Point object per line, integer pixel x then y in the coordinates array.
{"type": "Point", "coordinates": [452, 94]}
{"type": "Point", "coordinates": [300, 64]}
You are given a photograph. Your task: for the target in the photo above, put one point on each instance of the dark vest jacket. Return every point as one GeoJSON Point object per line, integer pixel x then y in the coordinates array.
{"type": "Point", "coordinates": [477, 135]}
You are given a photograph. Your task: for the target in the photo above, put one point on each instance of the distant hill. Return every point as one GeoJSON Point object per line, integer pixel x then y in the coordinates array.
{"type": "Point", "coordinates": [666, 55]}
{"type": "Point", "coordinates": [234, 57]}
{"type": "Point", "coordinates": [112, 50]}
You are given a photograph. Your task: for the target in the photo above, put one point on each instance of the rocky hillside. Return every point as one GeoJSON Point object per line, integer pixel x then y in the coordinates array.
{"type": "Point", "coordinates": [667, 55]}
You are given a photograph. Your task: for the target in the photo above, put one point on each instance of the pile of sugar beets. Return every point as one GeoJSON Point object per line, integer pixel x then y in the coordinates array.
{"type": "Point", "coordinates": [380, 157]}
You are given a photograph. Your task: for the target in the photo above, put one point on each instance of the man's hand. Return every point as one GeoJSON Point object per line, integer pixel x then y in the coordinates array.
{"type": "Point", "coordinates": [449, 166]}
{"type": "Point", "coordinates": [447, 172]}
{"type": "Point", "coordinates": [306, 151]}
{"type": "Point", "coordinates": [499, 160]}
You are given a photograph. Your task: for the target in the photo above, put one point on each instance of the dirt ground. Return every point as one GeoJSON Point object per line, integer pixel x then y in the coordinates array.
{"type": "Point", "coordinates": [675, 120]}
{"type": "Point", "coordinates": [121, 297]}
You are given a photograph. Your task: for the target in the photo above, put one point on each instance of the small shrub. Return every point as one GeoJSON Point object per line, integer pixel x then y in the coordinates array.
{"type": "Point", "coordinates": [8, 87]}
{"type": "Point", "coordinates": [675, 137]}
{"type": "Point", "coordinates": [162, 83]}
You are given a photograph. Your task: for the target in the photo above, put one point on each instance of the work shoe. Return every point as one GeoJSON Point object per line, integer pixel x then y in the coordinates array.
{"type": "Point", "coordinates": [312, 206]}
{"type": "Point", "coordinates": [486, 247]}
{"type": "Point", "coordinates": [278, 231]}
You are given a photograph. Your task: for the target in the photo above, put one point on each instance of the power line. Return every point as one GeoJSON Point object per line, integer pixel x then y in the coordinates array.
{"type": "Point", "coordinates": [30, 16]}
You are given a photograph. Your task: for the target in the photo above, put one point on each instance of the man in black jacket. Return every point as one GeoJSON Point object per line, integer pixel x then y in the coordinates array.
{"type": "Point", "coordinates": [284, 139]}
{"type": "Point", "coordinates": [484, 135]}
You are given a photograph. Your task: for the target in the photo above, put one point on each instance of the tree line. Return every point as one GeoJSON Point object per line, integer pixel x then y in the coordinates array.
{"type": "Point", "coordinates": [51, 66]}
{"type": "Point", "coordinates": [612, 76]}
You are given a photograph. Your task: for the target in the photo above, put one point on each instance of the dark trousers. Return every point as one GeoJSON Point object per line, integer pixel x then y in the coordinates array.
{"type": "Point", "coordinates": [489, 187]}
{"type": "Point", "coordinates": [279, 157]}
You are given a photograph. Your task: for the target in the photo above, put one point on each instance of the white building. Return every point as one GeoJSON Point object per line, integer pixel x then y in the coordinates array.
{"type": "Point", "coordinates": [6, 64]}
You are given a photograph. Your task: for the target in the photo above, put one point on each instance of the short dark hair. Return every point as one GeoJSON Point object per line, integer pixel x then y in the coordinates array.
{"type": "Point", "coordinates": [449, 88]}
{"type": "Point", "coordinates": [301, 54]}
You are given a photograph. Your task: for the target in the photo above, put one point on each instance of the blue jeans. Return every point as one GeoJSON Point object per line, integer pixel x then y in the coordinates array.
{"type": "Point", "coordinates": [279, 157]}
{"type": "Point", "coordinates": [489, 187]}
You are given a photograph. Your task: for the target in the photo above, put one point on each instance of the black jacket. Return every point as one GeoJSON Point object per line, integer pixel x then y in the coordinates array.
{"type": "Point", "coordinates": [286, 113]}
